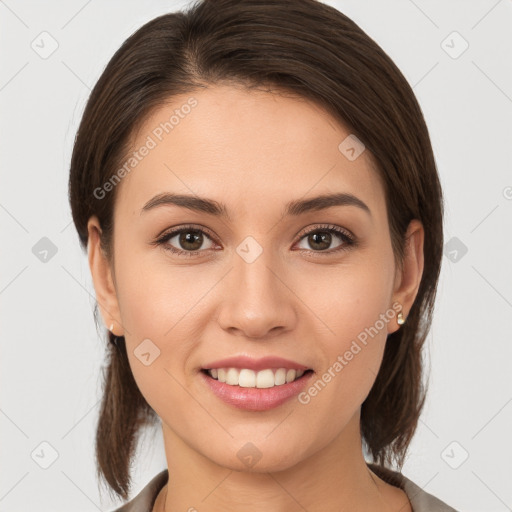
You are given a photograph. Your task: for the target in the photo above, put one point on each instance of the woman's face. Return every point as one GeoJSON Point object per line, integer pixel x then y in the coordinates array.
{"type": "Point", "coordinates": [265, 279]}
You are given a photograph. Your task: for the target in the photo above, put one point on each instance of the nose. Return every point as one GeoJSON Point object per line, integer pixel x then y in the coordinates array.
{"type": "Point", "coordinates": [256, 299]}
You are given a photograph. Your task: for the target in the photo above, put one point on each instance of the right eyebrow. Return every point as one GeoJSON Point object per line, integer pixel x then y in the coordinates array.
{"type": "Point", "coordinates": [195, 203]}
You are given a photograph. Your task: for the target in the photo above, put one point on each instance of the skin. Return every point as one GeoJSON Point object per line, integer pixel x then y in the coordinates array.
{"type": "Point", "coordinates": [254, 151]}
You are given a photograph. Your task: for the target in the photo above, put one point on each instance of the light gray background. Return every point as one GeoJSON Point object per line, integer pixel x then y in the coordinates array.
{"type": "Point", "coordinates": [51, 354]}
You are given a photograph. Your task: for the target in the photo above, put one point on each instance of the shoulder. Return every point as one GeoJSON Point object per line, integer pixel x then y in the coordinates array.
{"type": "Point", "coordinates": [421, 501]}
{"type": "Point", "coordinates": [144, 501]}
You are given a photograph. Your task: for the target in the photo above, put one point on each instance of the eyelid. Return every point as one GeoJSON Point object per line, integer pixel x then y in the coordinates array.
{"type": "Point", "coordinates": [300, 234]}
{"type": "Point", "coordinates": [169, 233]}
{"type": "Point", "coordinates": [183, 227]}
{"type": "Point", "coordinates": [327, 227]}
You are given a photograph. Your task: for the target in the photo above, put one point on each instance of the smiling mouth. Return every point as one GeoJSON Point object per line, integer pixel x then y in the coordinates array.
{"type": "Point", "coordinates": [247, 378]}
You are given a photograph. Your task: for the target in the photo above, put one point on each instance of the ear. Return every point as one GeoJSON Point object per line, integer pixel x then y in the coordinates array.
{"type": "Point", "coordinates": [101, 272]}
{"type": "Point", "coordinates": [407, 282]}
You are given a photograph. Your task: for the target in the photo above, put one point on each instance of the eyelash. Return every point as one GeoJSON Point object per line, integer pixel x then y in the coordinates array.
{"type": "Point", "coordinates": [348, 240]}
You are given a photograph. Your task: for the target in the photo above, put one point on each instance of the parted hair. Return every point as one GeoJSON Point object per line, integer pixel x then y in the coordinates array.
{"type": "Point", "coordinates": [313, 51]}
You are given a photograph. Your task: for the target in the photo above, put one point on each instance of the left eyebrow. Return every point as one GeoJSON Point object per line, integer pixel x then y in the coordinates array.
{"type": "Point", "coordinates": [323, 202]}
{"type": "Point", "coordinates": [294, 208]}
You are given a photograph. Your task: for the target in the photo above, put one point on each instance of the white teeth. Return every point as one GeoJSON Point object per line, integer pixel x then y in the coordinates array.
{"type": "Point", "coordinates": [290, 375]}
{"type": "Point", "coordinates": [246, 378]}
{"type": "Point", "coordinates": [232, 376]}
{"type": "Point", "coordinates": [280, 376]}
{"type": "Point", "coordinates": [265, 379]}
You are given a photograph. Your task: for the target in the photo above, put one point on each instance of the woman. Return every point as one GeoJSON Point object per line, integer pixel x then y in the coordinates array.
{"type": "Point", "coordinates": [256, 188]}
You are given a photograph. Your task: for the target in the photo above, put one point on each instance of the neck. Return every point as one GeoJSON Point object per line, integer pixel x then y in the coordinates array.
{"type": "Point", "coordinates": [335, 477]}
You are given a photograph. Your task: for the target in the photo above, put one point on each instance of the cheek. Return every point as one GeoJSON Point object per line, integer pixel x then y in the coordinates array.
{"type": "Point", "coordinates": [355, 312]}
{"type": "Point", "coordinates": [348, 299]}
{"type": "Point", "coordinates": [163, 310]}
{"type": "Point", "coordinates": [156, 297]}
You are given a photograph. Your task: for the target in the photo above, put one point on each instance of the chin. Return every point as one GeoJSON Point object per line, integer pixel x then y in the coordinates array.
{"type": "Point", "coordinates": [257, 457]}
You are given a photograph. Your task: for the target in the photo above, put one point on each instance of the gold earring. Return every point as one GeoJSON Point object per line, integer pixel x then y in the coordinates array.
{"type": "Point", "coordinates": [111, 328]}
{"type": "Point", "coordinates": [400, 320]}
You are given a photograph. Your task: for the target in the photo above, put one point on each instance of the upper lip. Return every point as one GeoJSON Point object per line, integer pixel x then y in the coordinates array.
{"type": "Point", "coordinates": [255, 364]}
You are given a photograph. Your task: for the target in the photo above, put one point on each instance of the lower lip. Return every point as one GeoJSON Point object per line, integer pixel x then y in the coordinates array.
{"type": "Point", "coordinates": [256, 399]}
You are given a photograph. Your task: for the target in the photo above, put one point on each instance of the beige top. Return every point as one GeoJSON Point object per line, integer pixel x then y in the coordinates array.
{"type": "Point", "coordinates": [420, 500]}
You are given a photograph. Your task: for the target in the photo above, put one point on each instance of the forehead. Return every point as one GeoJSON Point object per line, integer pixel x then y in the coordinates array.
{"type": "Point", "coordinates": [238, 145]}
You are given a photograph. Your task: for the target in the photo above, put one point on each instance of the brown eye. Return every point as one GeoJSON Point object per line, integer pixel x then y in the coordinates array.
{"type": "Point", "coordinates": [190, 240]}
{"type": "Point", "coordinates": [320, 239]}
{"type": "Point", "coordinates": [187, 241]}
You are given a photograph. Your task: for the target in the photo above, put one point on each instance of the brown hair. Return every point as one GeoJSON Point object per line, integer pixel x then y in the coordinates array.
{"type": "Point", "coordinates": [308, 49]}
